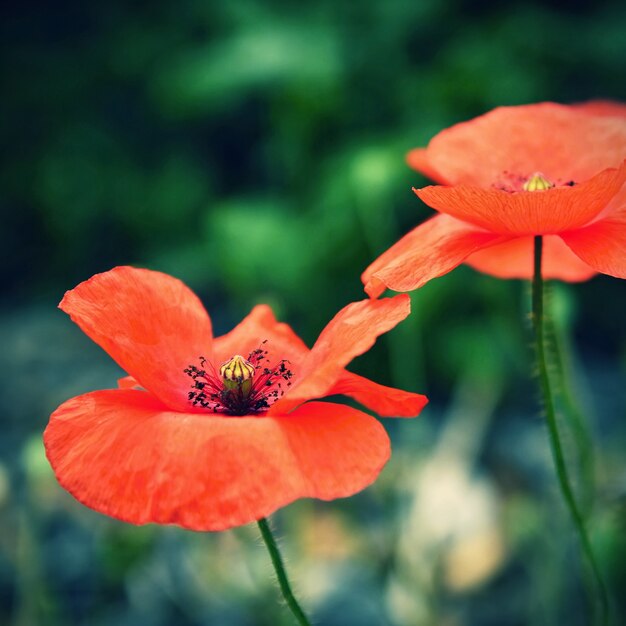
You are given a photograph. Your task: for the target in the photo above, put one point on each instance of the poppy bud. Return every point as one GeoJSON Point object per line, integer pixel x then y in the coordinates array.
{"type": "Point", "coordinates": [537, 182]}
{"type": "Point", "coordinates": [237, 374]}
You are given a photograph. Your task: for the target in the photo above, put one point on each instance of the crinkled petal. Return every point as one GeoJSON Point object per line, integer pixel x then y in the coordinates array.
{"type": "Point", "coordinates": [152, 324]}
{"type": "Point", "coordinates": [562, 142]}
{"type": "Point", "coordinates": [528, 212]}
{"type": "Point", "coordinates": [515, 258]}
{"type": "Point", "coordinates": [259, 326]}
{"type": "Point", "coordinates": [602, 245]}
{"type": "Point", "coordinates": [351, 332]}
{"type": "Point", "coordinates": [123, 453]}
{"type": "Point", "coordinates": [432, 249]}
{"type": "Point", "coordinates": [418, 160]}
{"type": "Point", "coordinates": [385, 401]}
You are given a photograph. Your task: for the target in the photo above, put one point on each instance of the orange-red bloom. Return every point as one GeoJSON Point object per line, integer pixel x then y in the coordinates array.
{"type": "Point", "coordinates": [211, 432]}
{"type": "Point", "coordinates": [507, 176]}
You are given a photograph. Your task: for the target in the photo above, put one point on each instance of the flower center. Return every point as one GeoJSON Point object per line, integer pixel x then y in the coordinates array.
{"type": "Point", "coordinates": [237, 375]}
{"type": "Point", "coordinates": [511, 182]}
{"type": "Point", "coordinates": [240, 386]}
{"type": "Point", "coordinates": [537, 182]}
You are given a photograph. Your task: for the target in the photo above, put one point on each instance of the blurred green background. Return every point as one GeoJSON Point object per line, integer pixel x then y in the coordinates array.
{"type": "Point", "coordinates": [255, 149]}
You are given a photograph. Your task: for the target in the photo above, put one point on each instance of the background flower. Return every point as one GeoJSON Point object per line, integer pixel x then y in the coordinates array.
{"type": "Point", "coordinates": [490, 214]}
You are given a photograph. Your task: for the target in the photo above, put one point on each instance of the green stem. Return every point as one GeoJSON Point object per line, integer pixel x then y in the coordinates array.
{"type": "Point", "coordinates": [555, 441]}
{"type": "Point", "coordinates": [575, 417]}
{"type": "Point", "coordinates": [279, 568]}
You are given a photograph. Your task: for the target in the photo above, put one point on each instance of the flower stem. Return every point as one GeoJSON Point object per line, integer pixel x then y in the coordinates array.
{"type": "Point", "coordinates": [279, 568]}
{"type": "Point", "coordinates": [575, 417]}
{"type": "Point", "coordinates": [601, 603]}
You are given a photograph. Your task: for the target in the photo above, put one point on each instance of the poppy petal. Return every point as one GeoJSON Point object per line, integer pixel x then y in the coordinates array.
{"type": "Point", "coordinates": [432, 249]}
{"type": "Point", "coordinates": [150, 323]}
{"type": "Point", "coordinates": [602, 245]}
{"type": "Point", "coordinates": [385, 401]}
{"type": "Point", "coordinates": [123, 453]}
{"type": "Point", "coordinates": [418, 160]}
{"type": "Point", "coordinates": [603, 107]}
{"type": "Point", "coordinates": [515, 259]}
{"type": "Point", "coordinates": [259, 326]}
{"type": "Point", "coordinates": [528, 212]}
{"type": "Point", "coordinates": [351, 332]}
{"type": "Point", "coordinates": [127, 382]}
{"type": "Point", "coordinates": [562, 142]}
{"type": "Point", "coordinates": [616, 206]}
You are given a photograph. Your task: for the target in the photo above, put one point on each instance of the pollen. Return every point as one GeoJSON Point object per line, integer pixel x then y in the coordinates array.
{"type": "Point", "coordinates": [537, 182]}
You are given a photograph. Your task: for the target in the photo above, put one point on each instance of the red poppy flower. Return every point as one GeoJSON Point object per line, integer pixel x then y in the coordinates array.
{"type": "Point", "coordinates": [211, 432]}
{"type": "Point", "coordinates": [507, 176]}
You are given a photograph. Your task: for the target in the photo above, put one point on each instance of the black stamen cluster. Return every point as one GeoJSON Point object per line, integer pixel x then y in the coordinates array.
{"type": "Point", "coordinates": [209, 392]}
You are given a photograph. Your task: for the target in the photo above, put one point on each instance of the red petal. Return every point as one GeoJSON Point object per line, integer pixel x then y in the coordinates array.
{"type": "Point", "coordinates": [562, 142]}
{"type": "Point", "coordinates": [603, 107]}
{"type": "Point", "coordinates": [514, 259]}
{"type": "Point", "coordinates": [123, 453]}
{"type": "Point", "coordinates": [418, 160]}
{"type": "Point", "coordinates": [258, 326]}
{"type": "Point", "coordinates": [351, 332]}
{"type": "Point", "coordinates": [127, 382]}
{"type": "Point", "coordinates": [528, 212]}
{"type": "Point", "coordinates": [386, 401]}
{"type": "Point", "coordinates": [602, 245]}
{"type": "Point", "coordinates": [616, 206]}
{"type": "Point", "coordinates": [150, 323]}
{"type": "Point", "coordinates": [432, 249]}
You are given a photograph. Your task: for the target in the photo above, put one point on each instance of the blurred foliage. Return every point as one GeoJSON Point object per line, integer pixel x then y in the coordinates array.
{"type": "Point", "coordinates": [255, 149]}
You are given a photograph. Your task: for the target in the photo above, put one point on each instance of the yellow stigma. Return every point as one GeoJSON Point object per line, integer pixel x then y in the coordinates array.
{"type": "Point", "coordinates": [537, 182]}
{"type": "Point", "coordinates": [237, 374]}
